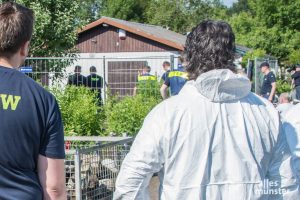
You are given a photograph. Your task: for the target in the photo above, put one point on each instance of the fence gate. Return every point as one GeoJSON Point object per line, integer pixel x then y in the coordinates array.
{"type": "Point", "coordinates": [122, 76]}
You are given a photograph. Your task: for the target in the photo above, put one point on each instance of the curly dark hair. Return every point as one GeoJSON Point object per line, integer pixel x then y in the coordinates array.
{"type": "Point", "coordinates": [209, 46]}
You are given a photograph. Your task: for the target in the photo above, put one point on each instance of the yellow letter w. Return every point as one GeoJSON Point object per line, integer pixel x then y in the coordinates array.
{"type": "Point", "coordinates": [11, 100]}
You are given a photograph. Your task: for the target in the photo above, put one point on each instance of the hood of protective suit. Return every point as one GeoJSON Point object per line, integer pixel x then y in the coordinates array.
{"type": "Point", "coordinates": [223, 85]}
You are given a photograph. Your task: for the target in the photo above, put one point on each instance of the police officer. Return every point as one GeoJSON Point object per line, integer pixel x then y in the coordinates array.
{"type": "Point", "coordinates": [95, 82]}
{"type": "Point", "coordinates": [296, 81]}
{"type": "Point", "coordinates": [175, 80]}
{"type": "Point", "coordinates": [77, 79]}
{"type": "Point", "coordinates": [269, 83]}
{"type": "Point", "coordinates": [145, 81]}
{"type": "Point", "coordinates": [166, 68]}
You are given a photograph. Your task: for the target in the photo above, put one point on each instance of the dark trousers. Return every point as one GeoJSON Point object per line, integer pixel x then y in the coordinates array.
{"type": "Point", "coordinates": [298, 92]}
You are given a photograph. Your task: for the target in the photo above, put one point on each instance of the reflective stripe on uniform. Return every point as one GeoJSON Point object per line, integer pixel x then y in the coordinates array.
{"type": "Point", "coordinates": [178, 74]}
{"type": "Point", "coordinates": [147, 78]}
{"type": "Point", "coordinates": [95, 79]}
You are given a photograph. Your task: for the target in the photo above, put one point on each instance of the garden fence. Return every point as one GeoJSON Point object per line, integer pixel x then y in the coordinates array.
{"type": "Point", "coordinates": [92, 165]}
{"type": "Point", "coordinates": [119, 73]}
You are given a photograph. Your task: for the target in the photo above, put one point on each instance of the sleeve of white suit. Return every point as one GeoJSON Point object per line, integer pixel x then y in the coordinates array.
{"type": "Point", "coordinates": [144, 159]}
{"type": "Point", "coordinates": [282, 176]}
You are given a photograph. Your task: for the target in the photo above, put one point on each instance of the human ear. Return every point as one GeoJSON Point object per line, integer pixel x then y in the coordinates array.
{"type": "Point", "coordinates": [24, 49]}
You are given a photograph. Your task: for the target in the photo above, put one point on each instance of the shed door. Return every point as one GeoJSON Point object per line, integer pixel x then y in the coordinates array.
{"type": "Point", "coordinates": [122, 76]}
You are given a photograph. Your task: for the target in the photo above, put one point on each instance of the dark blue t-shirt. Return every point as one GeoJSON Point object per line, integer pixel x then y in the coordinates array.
{"type": "Point", "coordinates": [30, 124]}
{"type": "Point", "coordinates": [267, 83]}
{"type": "Point", "coordinates": [164, 76]}
{"type": "Point", "coordinates": [296, 77]}
{"type": "Point", "coordinates": [176, 79]}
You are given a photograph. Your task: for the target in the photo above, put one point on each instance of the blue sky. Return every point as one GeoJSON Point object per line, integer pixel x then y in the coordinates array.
{"type": "Point", "coordinates": [229, 3]}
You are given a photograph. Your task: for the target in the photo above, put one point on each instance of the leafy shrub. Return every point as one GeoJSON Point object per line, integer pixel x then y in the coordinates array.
{"type": "Point", "coordinates": [149, 89]}
{"type": "Point", "coordinates": [283, 86]}
{"type": "Point", "coordinates": [127, 115]}
{"type": "Point", "coordinates": [80, 111]}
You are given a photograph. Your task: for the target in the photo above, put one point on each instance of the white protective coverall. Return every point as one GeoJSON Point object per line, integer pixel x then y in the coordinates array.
{"type": "Point", "coordinates": [215, 140]}
{"type": "Point", "coordinates": [292, 130]}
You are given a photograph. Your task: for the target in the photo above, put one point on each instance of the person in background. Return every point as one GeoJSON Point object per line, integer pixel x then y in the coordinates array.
{"type": "Point", "coordinates": [296, 81]}
{"type": "Point", "coordinates": [215, 139]}
{"type": "Point", "coordinates": [95, 82]}
{"type": "Point", "coordinates": [166, 67]}
{"type": "Point", "coordinates": [175, 80]}
{"type": "Point", "coordinates": [31, 130]}
{"type": "Point", "coordinates": [284, 103]}
{"type": "Point", "coordinates": [144, 81]}
{"type": "Point", "coordinates": [77, 79]}
{"type": "Point", "coordinates": [268, 88]}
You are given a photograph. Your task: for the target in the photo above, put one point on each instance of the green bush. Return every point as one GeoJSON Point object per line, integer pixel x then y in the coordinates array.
{"type": "Point", "coordinates": [149, 89]}
{"type": "Point", "coordinates": [283, 86]}
{"type": "Point", "coordinates": [127, 115]}
{"type": "Point", "coordinates": [80, 111]}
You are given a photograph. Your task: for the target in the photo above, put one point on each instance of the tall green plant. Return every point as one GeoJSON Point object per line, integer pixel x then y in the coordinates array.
{"type": "Point", "coordinates": [80, 111]}
{"type": "Point", "coordinates": [127, 116]}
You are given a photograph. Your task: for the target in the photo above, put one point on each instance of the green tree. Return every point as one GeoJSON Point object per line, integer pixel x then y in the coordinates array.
{"type": "Point", "coordinates": [269, 25]}
{"type": "Point", "coordinates": [55, 26]}
{"type": "Point", "coordinates": [130, 10]}
{"type": "Point", "coordinates": [169, 14]}
{"type": "Point", "coordinates": [90, 10]}
{"type": "Point", "coordinates": [239, 6]}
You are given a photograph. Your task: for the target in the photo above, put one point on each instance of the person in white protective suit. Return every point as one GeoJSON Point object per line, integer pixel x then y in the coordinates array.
{"type": "Point", "coordinates": [215, 140]}
{"type": "Point", "coordinates": [292, 130]}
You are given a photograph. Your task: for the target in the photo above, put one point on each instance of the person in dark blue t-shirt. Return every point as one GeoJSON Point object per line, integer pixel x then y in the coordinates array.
{"type": "Point", "coordinates": [95, 82]}
{"type": "Point", "coordinates": [268, 88]}
{"type": "Point", "coordinates": [175, 80]}
{"type": "Point", "coordinates": [77, 79]}
{"type": "Point", "coordinates": [31, 131]}
{"type": "Point", "coordinates": [296, 81]}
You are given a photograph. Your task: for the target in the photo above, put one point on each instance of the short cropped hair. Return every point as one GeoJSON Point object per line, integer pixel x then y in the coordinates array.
{"type": "Point", "coordinates": [285, 96]}
{"type": "Point", "coordinates": [209, 46]}
{"type": "Point", "coordinates": [166, 63]}
{"type": "Point", "coordinates": [93, 69]}
{"type": "Point", "coordinates": [16, 27]}
{"type": "Point", "coordinates": [77, 68]}
{"type": "Point", "coordinates": [147, 68]}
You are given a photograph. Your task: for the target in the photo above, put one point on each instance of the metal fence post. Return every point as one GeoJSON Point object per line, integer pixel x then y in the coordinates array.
{"type": "Point", "coordinates": [105, 82]}
{"type": "Point", "coordinates": [77, 176]}
{"type": "Point", "coordinates": [172, 62]}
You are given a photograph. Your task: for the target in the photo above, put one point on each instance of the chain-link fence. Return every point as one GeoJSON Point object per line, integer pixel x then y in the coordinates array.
{"type": "Point", "coordinates": [256, 76]}
{"type": "Point", "coordinates": [117, 75]}
{"type": "Point", "coordinates": [91, 171]}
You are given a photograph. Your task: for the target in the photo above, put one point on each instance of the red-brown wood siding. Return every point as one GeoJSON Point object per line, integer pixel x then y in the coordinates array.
{"type": "Point", "coordinates": [106, 40]}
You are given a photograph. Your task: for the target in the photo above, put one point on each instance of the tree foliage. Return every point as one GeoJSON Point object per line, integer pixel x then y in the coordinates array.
{"type": "Point", "coordinates": [55, 26]}
{"type": "Point", "coordinates": [270, 25]}
{"type": "Point", "coordinates": [131, 10]}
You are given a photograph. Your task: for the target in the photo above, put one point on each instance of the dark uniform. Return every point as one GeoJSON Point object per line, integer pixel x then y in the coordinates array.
{"type": "Point", "coordinates": [77, 80]}
{"type": "Point", "coordinates": [296, 77]}
{"type": "Point", "coordinates": [176, 79]}
{"type": "Point", "coordinates": [164, 76]}
{"type": "Point", "coordinates": [95, 82]}
{"type": "Point", "coordinates": [267, 84]}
